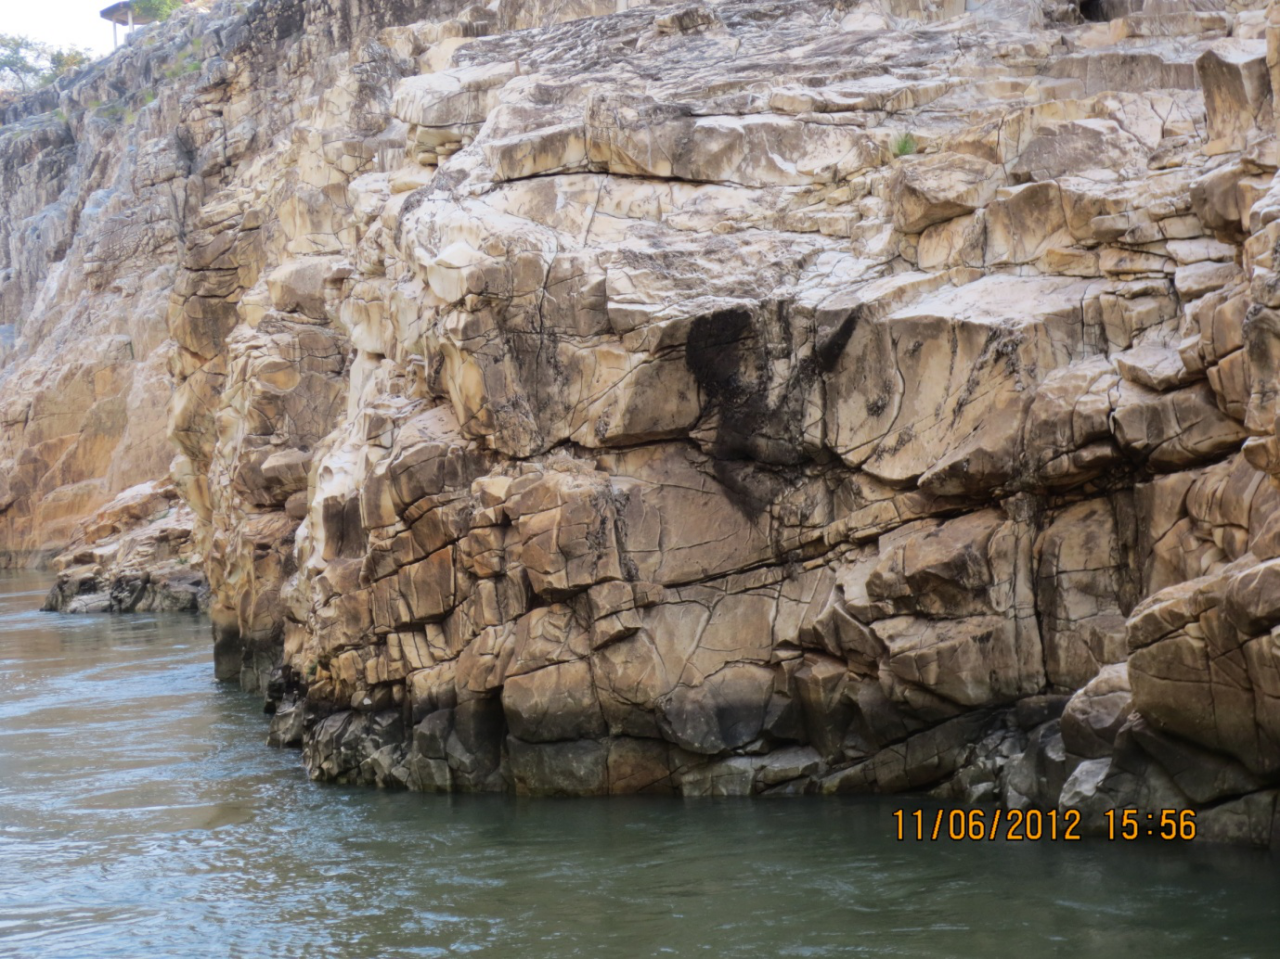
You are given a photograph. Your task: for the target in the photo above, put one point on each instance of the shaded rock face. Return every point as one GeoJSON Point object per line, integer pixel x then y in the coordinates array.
{"type": "Point", "coordinates": [701, 398]}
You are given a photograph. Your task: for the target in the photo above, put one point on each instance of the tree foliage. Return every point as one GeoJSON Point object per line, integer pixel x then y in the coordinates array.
{"type": "Point", "coordinates": [155, 9]}
{"type": "Point", "coordinates": [26, 64]}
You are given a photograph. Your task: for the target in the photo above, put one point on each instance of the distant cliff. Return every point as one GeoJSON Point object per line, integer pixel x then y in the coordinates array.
{"type": "Point", "coordinates": [708, 398]}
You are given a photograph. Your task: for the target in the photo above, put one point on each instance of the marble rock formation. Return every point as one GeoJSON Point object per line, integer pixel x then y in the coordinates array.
{"type": "Point", "coordinates": [134, 555]}
{"type": "Point", "coordinates": [701, 398]}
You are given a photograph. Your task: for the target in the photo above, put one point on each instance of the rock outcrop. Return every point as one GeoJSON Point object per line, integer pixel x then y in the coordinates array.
{"type": "Point", "coordinates": [708, 398]}
{"type": "Point", "coordinates": [134, 555]}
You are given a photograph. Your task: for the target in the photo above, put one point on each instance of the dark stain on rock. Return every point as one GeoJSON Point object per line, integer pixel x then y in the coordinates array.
{"type": "Point", "coordinates": [829, 350]}
{"type": "Point", "coordinates": [757, 379]}
{"type": "Point", "coordinates": [746, 367]}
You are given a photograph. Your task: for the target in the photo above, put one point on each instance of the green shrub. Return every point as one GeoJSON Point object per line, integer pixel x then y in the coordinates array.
{"type": "Point", "coordinates": [904, 145]}
{"type": "Point", "coordinates": [155, 9]}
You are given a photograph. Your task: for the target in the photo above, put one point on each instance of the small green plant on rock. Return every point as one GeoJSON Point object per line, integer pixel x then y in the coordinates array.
{"type": "Point", "coordinates": [184, 65]}
{"type": "Point", "coordinates": [904, 144]}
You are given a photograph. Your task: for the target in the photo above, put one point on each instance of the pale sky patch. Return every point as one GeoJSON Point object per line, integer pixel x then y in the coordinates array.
{"type": "Point", "coordinates": [60, 23]}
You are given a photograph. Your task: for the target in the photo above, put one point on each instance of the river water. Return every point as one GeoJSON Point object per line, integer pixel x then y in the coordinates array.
{"type": "Point", "coordinates": [141, 815]}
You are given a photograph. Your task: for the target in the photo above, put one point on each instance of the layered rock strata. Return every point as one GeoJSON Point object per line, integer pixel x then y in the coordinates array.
{"type": "Point", "coordinates": [713, 398]}
{"type": "Point", "coordinates": [134, 555]}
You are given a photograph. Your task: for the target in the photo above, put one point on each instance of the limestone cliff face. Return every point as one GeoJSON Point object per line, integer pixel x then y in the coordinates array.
{"type": "Point", "coordinates": [711, 398]}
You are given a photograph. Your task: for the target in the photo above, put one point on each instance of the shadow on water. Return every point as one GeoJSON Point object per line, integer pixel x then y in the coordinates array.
{"type": "Point", "coordinates": [141, 815]}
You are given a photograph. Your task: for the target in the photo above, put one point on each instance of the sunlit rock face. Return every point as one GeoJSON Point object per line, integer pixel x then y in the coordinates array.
{"type": "Point", "coordinates": [134, 555]}
{"type": "Point", "coordinates": [712, 398]}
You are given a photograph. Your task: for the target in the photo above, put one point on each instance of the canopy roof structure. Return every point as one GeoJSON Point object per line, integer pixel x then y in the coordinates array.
{"type": "Point", "coordinates": [123, 13]}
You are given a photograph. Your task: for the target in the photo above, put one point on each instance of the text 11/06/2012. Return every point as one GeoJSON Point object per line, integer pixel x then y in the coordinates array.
{"type": "Point", "coordinates": [1034, 825]}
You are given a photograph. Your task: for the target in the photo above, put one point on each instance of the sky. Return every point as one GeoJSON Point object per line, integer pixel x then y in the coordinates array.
{"type": "Point", "coordinates": [59, 23]}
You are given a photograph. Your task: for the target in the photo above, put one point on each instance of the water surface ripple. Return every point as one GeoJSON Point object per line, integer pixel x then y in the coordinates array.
{"type": "Point", "coordinates": [141, 815]}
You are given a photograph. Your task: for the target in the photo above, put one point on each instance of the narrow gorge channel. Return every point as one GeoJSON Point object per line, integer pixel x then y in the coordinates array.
{"type": "Point", "coordinates": [140, 816]}
{"type": "Point", "coordinates": [553, 477]}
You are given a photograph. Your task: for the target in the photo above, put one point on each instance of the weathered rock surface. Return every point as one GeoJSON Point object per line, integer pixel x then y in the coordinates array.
{"type": "Point", "coordinates": [134, 555]}
{"type": "Point", "coordinates": [714, 398]}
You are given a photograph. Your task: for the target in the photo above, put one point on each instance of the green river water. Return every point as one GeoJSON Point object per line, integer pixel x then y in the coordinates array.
{"type": "Point", "coordinates": [141, 815]}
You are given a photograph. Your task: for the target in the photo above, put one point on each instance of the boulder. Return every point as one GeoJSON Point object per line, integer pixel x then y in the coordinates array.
{"type": "Point", "coordinates": [932, 189]}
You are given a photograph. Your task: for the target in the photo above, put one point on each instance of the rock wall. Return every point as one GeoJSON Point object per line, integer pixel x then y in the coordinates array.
{"type": "Point", "coordinates": [708, 398]}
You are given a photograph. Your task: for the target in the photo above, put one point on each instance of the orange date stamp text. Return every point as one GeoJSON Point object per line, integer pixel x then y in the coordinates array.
{"type": "Point", "coordinates": [1035, 825]}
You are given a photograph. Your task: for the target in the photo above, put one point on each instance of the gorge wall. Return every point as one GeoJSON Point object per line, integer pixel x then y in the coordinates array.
{"type": "Point", "coordinates": [708, 398]}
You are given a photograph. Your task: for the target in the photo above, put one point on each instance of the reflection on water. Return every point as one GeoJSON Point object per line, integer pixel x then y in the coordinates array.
{"type": "Point", "coordinates": [140, 815]}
